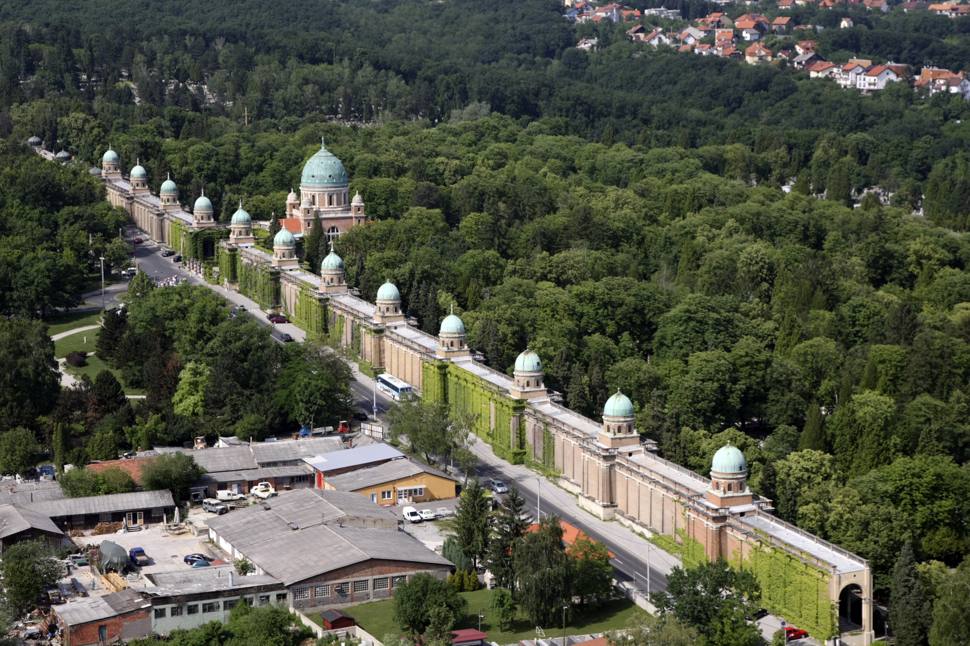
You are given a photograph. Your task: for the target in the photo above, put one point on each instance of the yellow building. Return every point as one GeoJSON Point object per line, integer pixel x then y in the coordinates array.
{"type": "Point", "coordinates": [396, 482]}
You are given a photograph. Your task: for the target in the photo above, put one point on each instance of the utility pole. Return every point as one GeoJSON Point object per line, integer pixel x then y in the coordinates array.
{"type": "Point", "coordinates": [102, 282]}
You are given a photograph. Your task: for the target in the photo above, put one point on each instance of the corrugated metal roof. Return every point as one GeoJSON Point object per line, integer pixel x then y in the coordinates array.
{"type": "Point", "coordinates": [388, 472]}
{"type": "Point", "coordinates": [20, 493]}
{"type": "Point", "coordinates": [112, 503]}
{"type": "Point", "coordinates": [255, 475]}
{"type": "Point", "coordinates": [14, 520]}
{"type": "Point", "coordinates": [292, 450]}
{"type": "Point", "coordinates": [209, 579]}
{"type": "Point", "coordinates": [88, 609]}
{"type": "Point", "coordinates": [298, 534]}
{"type": "Point", "coordinates": [360, 456]}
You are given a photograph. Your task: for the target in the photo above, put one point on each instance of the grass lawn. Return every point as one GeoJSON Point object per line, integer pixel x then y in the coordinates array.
{"type": "Point", "coordinates": [85, 341]}
{"type": "Point", "coordinates": [96, 365]}
{"type": "Point", "coordinates": [377, 618]}
{"type": "Point", "coordinates": [70, 320]}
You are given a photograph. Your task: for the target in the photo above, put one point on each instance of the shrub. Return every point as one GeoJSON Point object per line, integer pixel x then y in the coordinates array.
{"type": "Point", "coordinates": [76, 359]}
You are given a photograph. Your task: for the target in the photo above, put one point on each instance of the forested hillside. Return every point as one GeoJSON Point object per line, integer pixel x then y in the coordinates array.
{"type": "Point", "coordinates": [619, 212]}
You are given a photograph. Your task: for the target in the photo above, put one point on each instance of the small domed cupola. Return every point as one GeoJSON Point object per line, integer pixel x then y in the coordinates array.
{"type": "Point", "coordinates": [138, 177]}
{"type": "Point", "coordinates": [169, 193]}
{"type": "Point", "coordinates": [451, 337]}
{"type": "Point", "coordinates": [332, 279]}
{"type": "Point", "coordinates": [202, 210]}
{"type": "Point", "coordinates": [284, 250]}
{"type": "Point", "coordinates": [527, 376]}
{"type": "Point", "coordinates": [729, 474]}
{"type": "Point", "coordinates": [388, 304]}
{"type": "Point", "coordinates": [110, 163]}
{"type": "Point", "coordinates": [618, 422]}
{"type": "Point", "coordinates": [241, 227]}
{"type": "Point", "coordinates": [357, 208]}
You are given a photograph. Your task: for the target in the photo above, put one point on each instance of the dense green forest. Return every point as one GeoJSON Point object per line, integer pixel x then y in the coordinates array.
{"type": "Point", "coordinates": [620, 212]}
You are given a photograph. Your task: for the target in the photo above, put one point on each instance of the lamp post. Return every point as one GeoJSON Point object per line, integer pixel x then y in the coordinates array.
{"type": "Point", "coordinates": [564, 608]}
{"type": "Point", "coordinates": [481, 615]}
{"type": "Point", "coordinates": [101, 258]}
{"type": "Point", "coordinates": [374, 403]}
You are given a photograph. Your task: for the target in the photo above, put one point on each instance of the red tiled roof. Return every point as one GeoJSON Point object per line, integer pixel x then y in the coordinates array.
{"type": "Point", "coordinates": [781, 20]}
{"type": "Point", "coordinates": [570, 533]}
{"type": "Point", "coordinates": [132, 466]}
{"type": "Point", "coordinates": [292, 225]}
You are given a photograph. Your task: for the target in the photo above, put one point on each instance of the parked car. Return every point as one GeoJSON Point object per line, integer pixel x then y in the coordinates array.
{"type": "Point", "coordinates": [792, 633]}
{"type": "Point", "coordinates": [129, 271]}
{"type": "Point", "coordinates": [428, 514]}
{"type": "Point", "coordinates": [201, 564]}
{"type": "Point", "coordinates": [191, 559]}
{"type": "Point", "coordinates": [167, 252]}
{"type": "Point", "coordinates": [443, 512]}
{"type": "Point", "coordinates": [411, 515]}
{"type": "Point", "coordinates": [263, 490]}
{"type": "Point", "coordinates": [213, 506]}
{"type": "Point", "coordinates": [225, 495]}
{"type": "Point", "coordinates": [138, 241]}
{"type": "Point", "coordinates": [177, 258]}
{"type": "Point", "coordinates": [139, 557]}
{"type": "Point", "coordinates": [277, 318]}
{"type": "Point", "coordinates": [280, 337]}
{"type": "Point", "coordinates": [498, 486]}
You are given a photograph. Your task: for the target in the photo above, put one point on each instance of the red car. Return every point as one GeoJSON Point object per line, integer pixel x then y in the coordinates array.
{"type": "Point", "coordinates": [794, 633]}
{"type": "Point", "coordinates": [277, 318]}
{"type": "Point", "coordinates": [138, 241]}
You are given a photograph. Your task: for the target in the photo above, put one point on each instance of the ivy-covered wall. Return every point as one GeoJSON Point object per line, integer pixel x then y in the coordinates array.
{"type": "Point", "coordinates": [335, 332]}
{"type": "Point", "coordinates": [310, 313]}
{"type": "Point", "coordinates": [790, 588]}
{"type": "Point", "coordinates": [228, 260]}
{"type": "Point", "coordinates": [435, 381]}
{"type": "Point", "coordinates": [260, 283]}
{"type": "Point", "coordinates": [468, 393]}
{"type": "Point", "coordinates": [178, 237]}
{"type": "Point", "coordinates": [793, 589]}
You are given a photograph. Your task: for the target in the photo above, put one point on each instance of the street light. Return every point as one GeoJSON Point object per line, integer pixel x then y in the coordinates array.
{"type": "Point", "coordinates": [564, 608]}
{"type": "Point", "coordinates": [539, 499]}
{"type": "Point", "coordinates": [374, 405]}
{"type": "Point", "coordinates": [481, 615]}
{"type": "Point", "coordinates": [102, 282]}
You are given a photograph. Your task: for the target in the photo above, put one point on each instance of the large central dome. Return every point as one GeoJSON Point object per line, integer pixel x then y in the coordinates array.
{"type": "Point", "coordinates": [324, 170]}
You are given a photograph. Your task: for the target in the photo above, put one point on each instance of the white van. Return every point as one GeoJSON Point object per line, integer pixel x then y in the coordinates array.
{"type": "Point", "coordinates": [411, 514]}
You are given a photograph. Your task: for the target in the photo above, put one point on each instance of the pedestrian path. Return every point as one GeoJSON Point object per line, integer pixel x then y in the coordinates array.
{"type": "Point", "coordinates": [66, 333]}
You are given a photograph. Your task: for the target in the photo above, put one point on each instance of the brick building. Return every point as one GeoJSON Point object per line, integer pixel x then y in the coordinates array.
{"type": "Point", "coordinates": [119, 616]}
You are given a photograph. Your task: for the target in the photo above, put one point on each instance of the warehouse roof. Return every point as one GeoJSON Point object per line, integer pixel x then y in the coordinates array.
{"type": "Point", "coordinates": [116, 502]}
{"type": "Point", "coordinates": [26, 492]}
{"type": "Point", "coordinates": [356, 457]}
{"type": "Point", "coordinates": [14, 520]}
{"type": "Point", "coordinates": [308, 532]}
{"type": "Point", "coordinates": [371, 476]}
{"type": "Point", "coordinates": [201, 580]}
{"type": "Point", "coordinates": [290, 450]}
{"type": "Point", "coordinates": [255, 475]}
{"type": "Point", "coordinates": [90, 609]}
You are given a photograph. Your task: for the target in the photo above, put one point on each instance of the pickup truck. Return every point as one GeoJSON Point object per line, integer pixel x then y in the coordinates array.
{"type": "Point", "coordinates": [263, 490]}
{"type": "Point", "coordinates": [138, 556]}
{"type": "Point", "coordinates": [226, 495]}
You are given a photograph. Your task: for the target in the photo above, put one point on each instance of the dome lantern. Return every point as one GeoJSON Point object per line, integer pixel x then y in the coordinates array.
{"type": "Point", "coordinates": [388, 304]}
{"type": "Point", "coordinates": [323, 170]}
{"type": "Point", "coordinates": [527, 376]}
{"type": "Point", "coordinates": [729, 474]}
{"type": "Point", "coordinates": [110, 162]}
{"type": "Point", "coordinates": [451, 336]}
{"type": "Point", "coordinates": [241, 227]}
{"type": "Point", "coordinates": [332, 273]}
{"type": "Point", "coordinates": [169, 193]}
{"type": "Point", "coordinates": [284, 250]}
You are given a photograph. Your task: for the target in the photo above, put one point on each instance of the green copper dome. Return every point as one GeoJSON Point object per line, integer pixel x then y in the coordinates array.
{"type": "Point", "coordinates": [388, 292]}
{"type": "Point", "coordinates": [452, 325]}
{"type": "Point", "coordinates": [168, 188]}
{"type": "Point", "coordinates": [324, 170]}
{"type": "Point", "coordinates": [729, 460]}
{"type": "Point", "coordinates": [202, 205]}
{"type": "Point", "coordinates": [332, 262]}
{"type": "Point", "coordinates": [110, 157]}
{"type": "Point", "coordinates": [528, 361]}
{"type": "Point", "coordinates": [241, 217]}
{"type": "Point", "coordinates": [283, 239]}
{"type": "Point", "coordinates": [619, 405]}
{"type": "Point", "coordinates": [138, 172]}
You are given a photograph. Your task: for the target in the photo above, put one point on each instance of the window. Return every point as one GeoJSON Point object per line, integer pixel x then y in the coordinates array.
{"type": "Point", "coordinates": [176, 611]}
{"type": "Point", "coordinates": [264, 599]}
{"type": "Point", "coordinates": [301, 593]}
{"type": "Point", "coordinates": [407, 493]}
{"type": "Point", "coordinates": [321, 591]}
{"type": "Point", "coordinates": [386, 494]}
{"type": "Point", "coordinates": [192, 609]}
{"type": "Point", "coordinates": [210, 607]}
{"type": "Point", "coordinates": [160, 613]}
{"type": "Point", "coordinates": [280, 597]}
{"type": "Point", "coordinates": [373, 497]}
{"type": "Point", "coordinates": [248, 601]}
{"type": "Point", "coordinates": [380, 584]}
{"type": "Point", "coordinates": [341, 589]}
{"type": "Point", "coordinates": [398, 580]}
{"type": "Point", "coordinates": [361, 586]}
{"type": "Point", "coordinates": [229, 604]}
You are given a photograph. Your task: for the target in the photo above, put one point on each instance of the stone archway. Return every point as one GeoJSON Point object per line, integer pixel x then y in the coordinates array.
{"type": "Point", "coordinates": [850, 608]}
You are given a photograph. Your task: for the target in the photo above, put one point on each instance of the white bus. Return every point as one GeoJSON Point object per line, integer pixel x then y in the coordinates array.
{"type": "Point", "coordinates": [393, 387]}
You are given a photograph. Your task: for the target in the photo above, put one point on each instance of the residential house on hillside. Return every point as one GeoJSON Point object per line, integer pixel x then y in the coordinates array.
{"type": "Point", "coordinates": [690, 36]}
{"type": "Point", "coordinates": [781, 24]}
{"type": "Point", "coordinates": [803, 46]}
{"type": "Point", "coordinates": [935, 80]}
{"type": "Point", "coordinates": [846, 23]}
{"type": "Point", "coordinates": [876, 78]}
{"type": "Point", "coordinates": [750, 35]}
{"type": "Point", "coordinates": [756, 54]}
{"type": "Point", "coordinates": [821, 69]}
{"type": "Point", "coordinates": [876, 5]}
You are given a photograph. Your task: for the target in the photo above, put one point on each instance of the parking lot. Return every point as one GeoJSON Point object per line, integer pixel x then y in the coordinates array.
{"type": "Point", "coordinates": [165, 550]}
